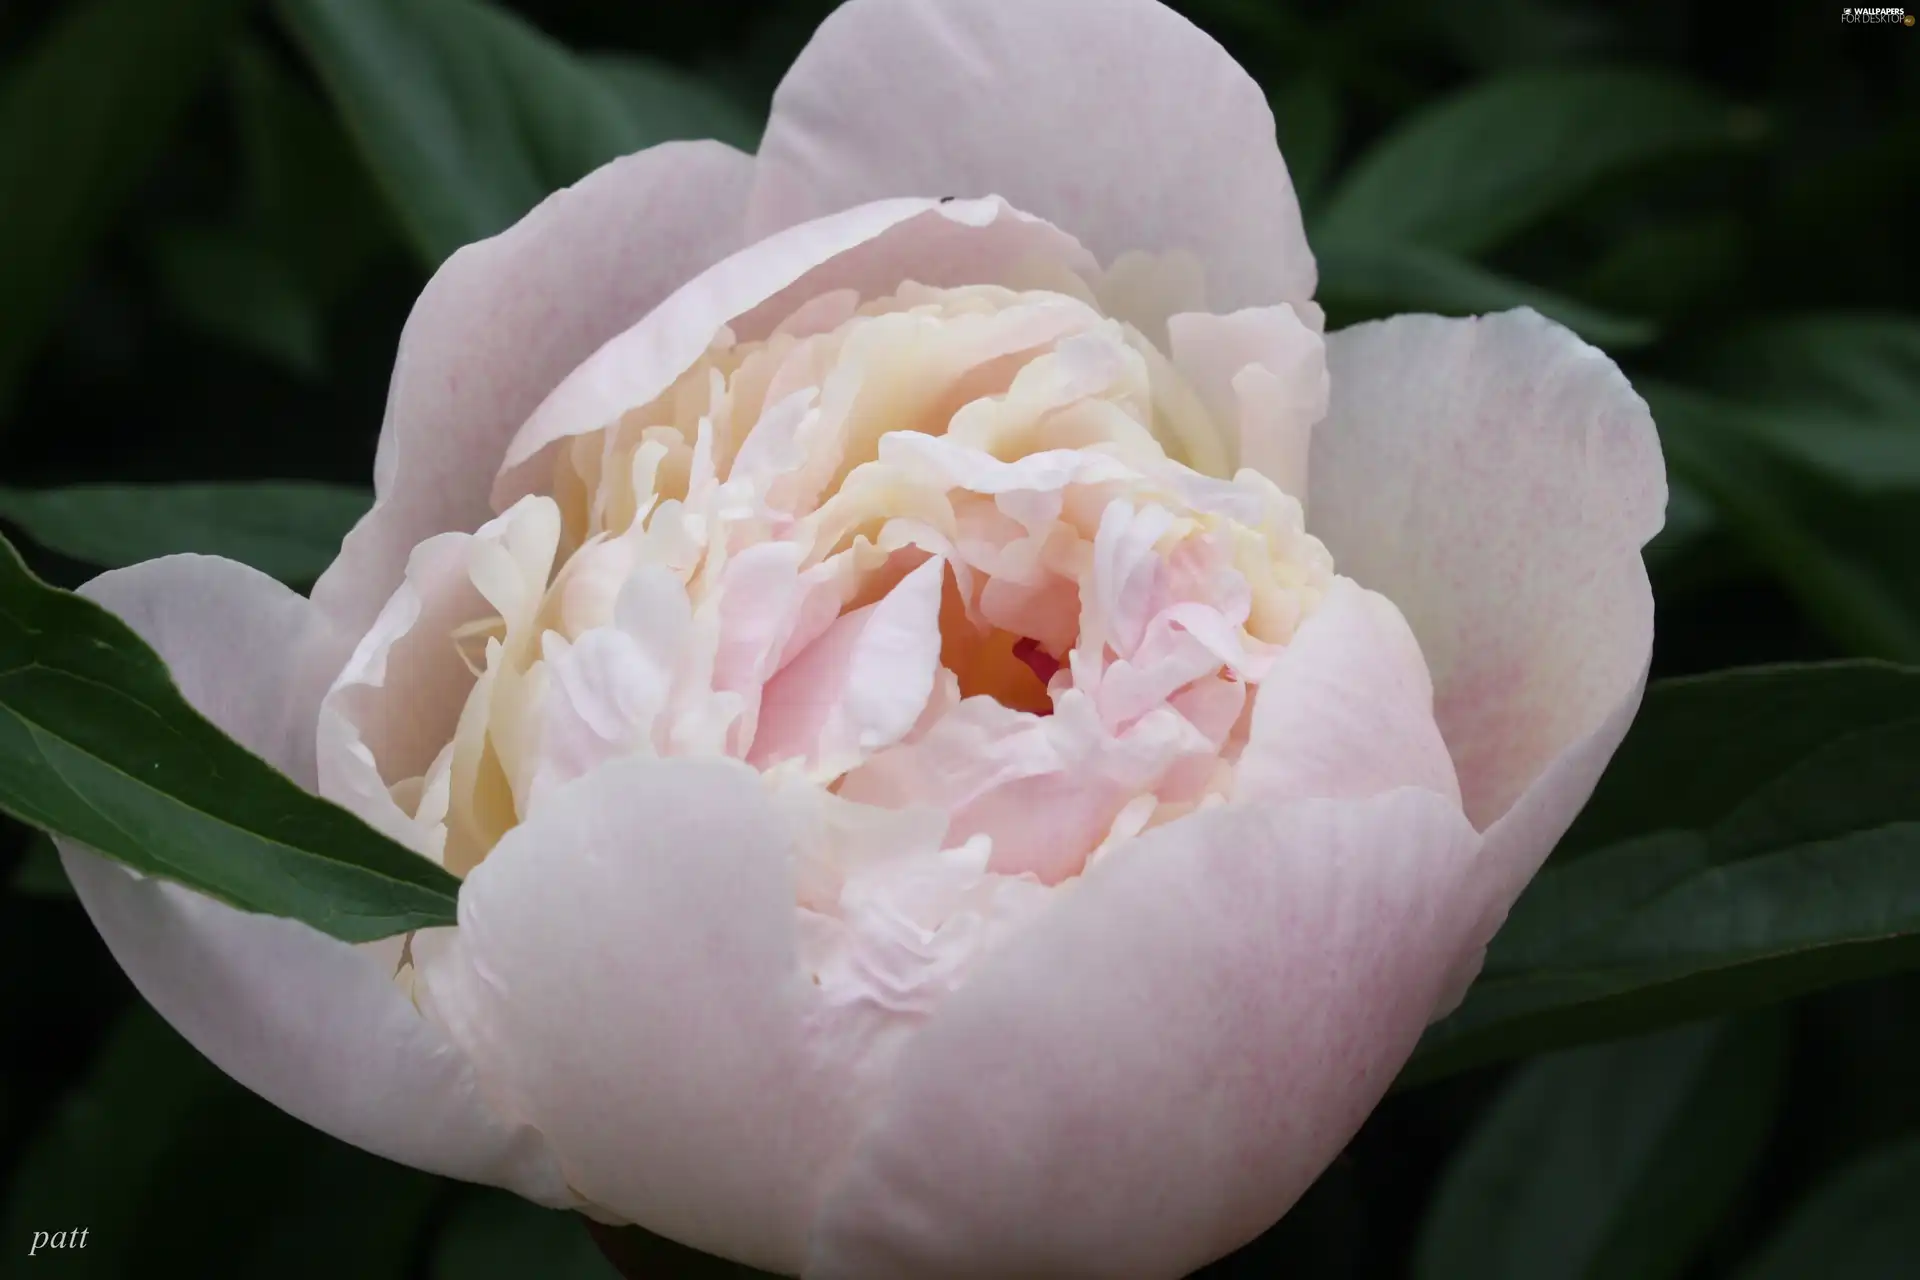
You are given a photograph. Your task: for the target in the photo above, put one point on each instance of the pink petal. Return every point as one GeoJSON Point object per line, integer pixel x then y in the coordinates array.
{"type": "Point", "coordinates": [1496, 478]}
{"type": "Point", "coordinates": [1346, 710]}
{"type": "Point", "coordinates": [626, 972]}
{"type": "Point", "coordinates": [1152, 1073]}
{"type": "Point", "coordinates": [862, 685]}
{"type": "Point", "coordinates": [1116, 119]}
{"type": "Point", "coordinates": [503, 321]}
{"type": "Point", "coordinates": [315, 1026]}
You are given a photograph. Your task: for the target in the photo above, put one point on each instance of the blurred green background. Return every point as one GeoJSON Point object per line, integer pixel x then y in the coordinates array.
{"type": "Point", "coordinates": [214, 216]}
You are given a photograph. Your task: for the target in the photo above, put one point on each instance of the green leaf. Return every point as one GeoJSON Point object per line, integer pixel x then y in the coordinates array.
{"type": "Point", "coordinates": [82, 118]}
{"type": "Point", "coordinates": [97, 745]}
{"type": "Point", "coordinates": [1779, 853]}
{"type": "Point", "coordinates": [1610, 1162]}
{"type": "Point", "coordinates": [1860, 1226]}
{"type": "Point", "coordinates": [1690, 518]}
{"type": "Point", "coordinates": [307, 227]}
{"type": "Point", "coordinates": [1833, 515]}
{"type": "Point", "coordinates": [291, 530]}
{"type": "Point", "coordinates": [1363, 279]}
{"type": "Point", "coordinates": [1863, 367]}
{"type": "Point", "coordinates": [665, 103]}
{"type": "Point", "coordinates": [1503, 33]}
{"type": "Point", "coordinates": [496, 1236]}
{"type": "Point", "coordinates": [1671, 267]}
{"type": "Point", "coordinates": [1306, 116]}
{"type": "Point", "coordinates": [467, 116]}
{"type": "Point", "coordinates": [1701, 745]}
{"type": "Point", "coordinates": [1812, 454]}
{"type": "Point", "coordinates": [156, 1153]}
{"type": "Point", "coordinates": [1837, 394]}
{"type": "Point", "coordinates": [309, 202]}
{"type": "Point", "coordinates": [340, 1212]}
{"type": "Point", "coordinates": [39, 873]}
{"type": "Point", "coordinates": [638, 1253]}
{"type": "Point", "coordinates": [233, 290]}
{"type": "Point", "coordinates": [93, 1162]}
{"type": "Point", "coordinates": [1470, 172]}
{"type": "Point", "coordinates": [1692, 550]}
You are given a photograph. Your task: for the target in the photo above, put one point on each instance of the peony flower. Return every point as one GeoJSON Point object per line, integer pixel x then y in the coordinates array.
{"type": "Point", "coordinates": [975, 737]}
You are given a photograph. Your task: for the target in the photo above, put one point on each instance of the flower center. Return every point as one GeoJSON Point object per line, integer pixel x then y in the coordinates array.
{"type": "Point", "coordinates": [949, 551]}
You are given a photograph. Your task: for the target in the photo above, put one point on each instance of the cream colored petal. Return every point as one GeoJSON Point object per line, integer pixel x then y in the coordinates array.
{"type": "Point", "coordinates": [1263, 374]}
{"type": "Point", "coordinates": [871, 250]}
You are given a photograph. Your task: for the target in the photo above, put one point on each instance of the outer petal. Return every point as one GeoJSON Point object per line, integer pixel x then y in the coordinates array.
{"type": "Point", "coordinates": [1347, 709]}
{"type": "Point", "coordinates": [870, 250]}
{"type": "Point", "coordinates": [626, 971]}
{"type": "Point", "coordinates": [311, 1024]}
{"type": "Point", "coordinates": [1496, 478]}
{"type": "Point", "coordinates": [502, 321]}
{"type": "Point", "coordinates": [1116, 119]}
{"type": "Point", "coordinates": [1153, 1072]}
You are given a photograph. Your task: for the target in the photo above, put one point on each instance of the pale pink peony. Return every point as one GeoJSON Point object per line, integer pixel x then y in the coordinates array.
{"type": "Point", "coordinates": [975, 738]}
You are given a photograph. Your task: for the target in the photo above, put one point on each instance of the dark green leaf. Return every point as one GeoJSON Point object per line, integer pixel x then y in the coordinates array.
{"type": "Point", "coordinates": [306, 229]}
{"type": "Point", "coordinates": [291, 530]}
{"type": "Point", "coordinates": [665, 103]}
{"type": "Point", "coordinates": [1690, 518]}
{"type": "Point", "coordinates": [1306, 115]}
{"type": "Point", "coordinates": [1702, 745]}
{"type": "Point", "coordinates": [341, 1212]}
{"type": "Point", "coordinates": [1609, 1162]}
{"type": "Point", "coordinates": [1779, 854]}
{"type": "Point", "coordinates": [92, 1163]}
{"type": "Point", "coordinates": [496, 1236]}
{"type": "Point", "coordinates": [96, 744]}
{"type": "Point", "coordinates": [234, 290]}
{"type": "Point", "coordinates": [155, 1135]}
{"type": "Point", "coordinates": [1864, 368]}
{"type": "Point", "coordinates": [39, 873]}
{"type": "Point", "coordinates": [467, 116]}
{"type": "Point", "coordinates": [1468, 173]}
{"type": "Point", "coordinates": [1856, 1047]}
{"type": "Point", "coordinates": [641, 1255]}
{"type": "Point", "coordinates": [1858, 426]}
{"type": "Point", "coordinates": [1860, 1226]}
{"type": "Point", "coordinates": [1670, 268]}
{"type": "Point", "coordinates": [1692, 551]}
{"type": "Point", "coordinates": [1834, 514]}
{"type": "Point", "coordinates": [1503, 33]}
{"type": "Point", "coordinates": [1362, 279]}
{"type": "Point", "coordinates": [81, 120]}
{"type": "Point", "coordinates": [309, 202]}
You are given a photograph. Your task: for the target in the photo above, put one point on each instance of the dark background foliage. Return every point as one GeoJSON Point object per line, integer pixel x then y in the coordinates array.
{"type": "Point", "coordinates": [206, 258]}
